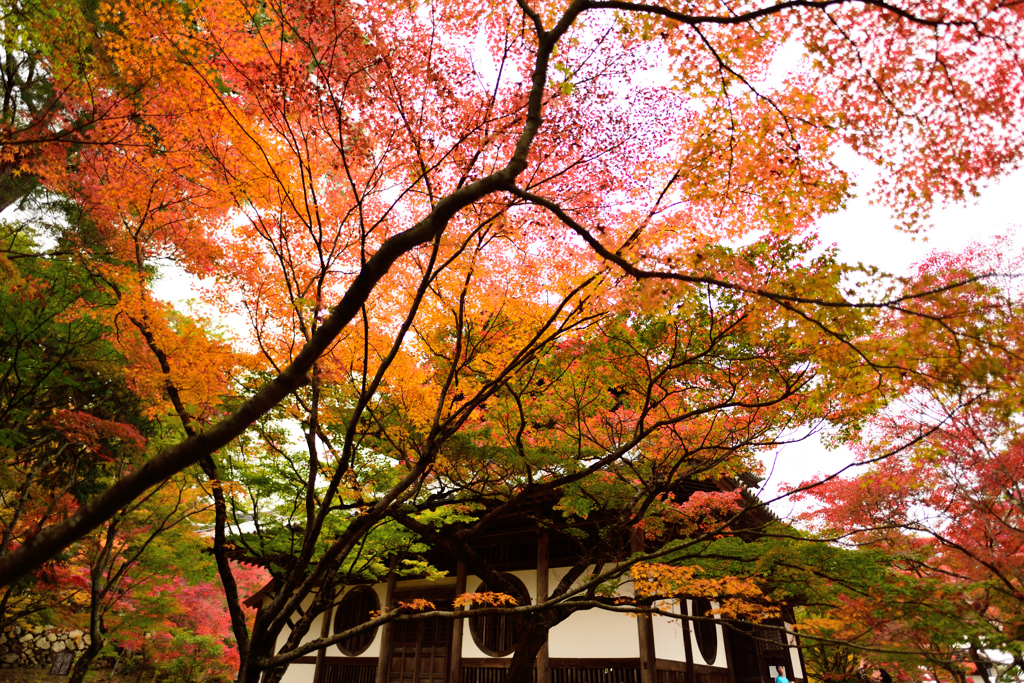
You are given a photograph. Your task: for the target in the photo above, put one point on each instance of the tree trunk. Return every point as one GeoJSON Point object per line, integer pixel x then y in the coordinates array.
{"type": "Point", "coordinates": [248, 672]}
{"type": "Point", "coordinates": [85, 660]}
{"type": "Point", "coordinates": [15, 185]}
{"type": "Point", "coordinates": [274, 675]}
{"type": "Point", "coordinates": [533, 633]}
{"type": "Point", "coordinates": [981, 664]}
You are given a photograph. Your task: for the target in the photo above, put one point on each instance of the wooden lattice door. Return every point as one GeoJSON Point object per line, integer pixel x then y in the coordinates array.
{"type": "Point", "coordinates": [746, 656]}
{"type": "Point", "coordinates": [419, 651]}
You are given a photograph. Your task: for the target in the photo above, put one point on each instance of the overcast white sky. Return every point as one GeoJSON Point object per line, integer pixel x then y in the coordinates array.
{"type": "Point", "coordinates": [864, 232]}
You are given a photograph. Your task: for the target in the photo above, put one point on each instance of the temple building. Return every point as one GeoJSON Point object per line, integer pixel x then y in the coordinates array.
{"type": "Point", "coordinates": [590, 646]}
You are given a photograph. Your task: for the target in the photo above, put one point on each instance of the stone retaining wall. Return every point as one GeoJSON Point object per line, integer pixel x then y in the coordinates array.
{"type": "Point", "coordinates": [34, 646]}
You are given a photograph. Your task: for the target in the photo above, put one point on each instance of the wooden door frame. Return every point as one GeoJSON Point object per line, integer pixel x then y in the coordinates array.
{"type": "Point", "coordinates": [435, 595]}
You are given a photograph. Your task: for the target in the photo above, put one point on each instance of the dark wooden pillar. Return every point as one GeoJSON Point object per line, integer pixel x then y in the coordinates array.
{"type": "Point", "coordinates": [727, 637]}
{"type": "Point", "coordinates": [325, 630]}
{"type": "Point", "coordinates": [455, 661]}
{"type": "Point", "coordinates": [691, 671]}
{"type": "Point", "coordinates": [384, 660]}
{"type": "Point", "coordinates": [543, 565]}
{"type": "Point", "coordinates": [645, 627]}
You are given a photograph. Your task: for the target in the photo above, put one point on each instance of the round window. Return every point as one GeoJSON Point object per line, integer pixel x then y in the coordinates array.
{"type": "Point", "coordinates": [357, 607]}
{"type": "Point", "coordinates": [496, 634]}
{"type": "Point", "coordinates": [707, 637]}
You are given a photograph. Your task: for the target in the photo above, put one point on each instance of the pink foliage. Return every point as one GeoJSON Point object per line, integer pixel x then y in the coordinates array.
{"type": "Point", "coordinates": [91, 432]}
{"type": "Point", "coordinates": [197, 609]}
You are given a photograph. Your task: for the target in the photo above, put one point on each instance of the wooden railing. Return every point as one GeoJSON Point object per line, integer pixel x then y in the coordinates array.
{"type": "Point", "coordinates": [348, 673]}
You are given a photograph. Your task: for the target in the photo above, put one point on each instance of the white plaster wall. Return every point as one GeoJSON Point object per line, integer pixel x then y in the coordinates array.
{"type": "Point", "coordinates": [720, 658]}
{"type": "Point", "coordinates": [591, 633]}
{"type": "Point", "coordinates": [668, 633]}
{"type": "Point", "coordinates": [595, 633]}
{"type": "Point", "coordinates": [285, 632]}
{"type": "Point", "coordinates": [794, 652]}
{"type": "Point", "coordinates": [469, 647]}
{"type": "Point", "coordinates": [374, 649]}
{"type": "Point", "coordinates": [720, 661]}
{"type": "Point", "coordinates": [298, 673]}
{"type": "Point", "coordinates": [314, 630]}
{"type": "Point", "coordinates": [587, 634]}
{"type": "Point", "coordinates": [412, 584]}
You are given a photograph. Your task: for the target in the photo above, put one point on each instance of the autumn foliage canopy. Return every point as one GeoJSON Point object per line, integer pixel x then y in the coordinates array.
{"type": "Point", "coordinates": [453, 257]}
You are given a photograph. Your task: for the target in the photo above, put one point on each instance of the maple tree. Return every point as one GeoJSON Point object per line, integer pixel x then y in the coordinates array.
{"type": "Point", "coordinates": [178, 624]}
{"type": "Point", "coordinates": [948, 507]}
{"type": "Point", "coordinates": [506, 251]}
{"type": "Point", "coordinates": [44, 46]}
{"type": "Point", "coordinates": [72, 421]}
{"type": "Point", "coordinates": [67, 410]}
{"type": "Point", "coordinates": [129, 552]}
{"type": "Point", "coordinates": [938, 488]}
{"type": "Point", "coordinates": [886, 617]}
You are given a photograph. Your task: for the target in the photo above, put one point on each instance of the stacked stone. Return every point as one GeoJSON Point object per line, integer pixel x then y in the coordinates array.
{"type": "Point", "coordinates": [34, 646]}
